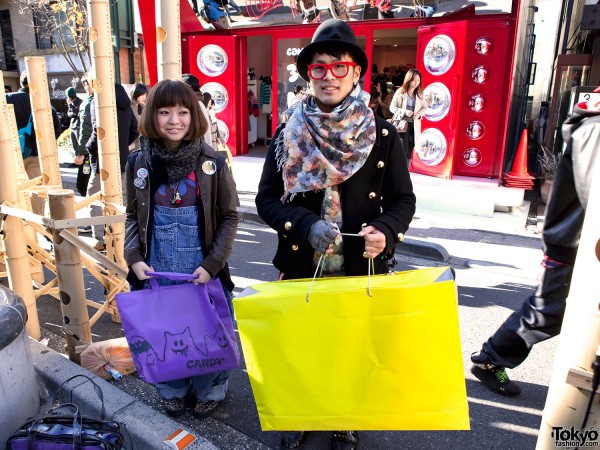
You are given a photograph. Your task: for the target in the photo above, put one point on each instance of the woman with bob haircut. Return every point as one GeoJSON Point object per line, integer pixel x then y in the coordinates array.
{"type": "Point", "coordinates": [170, 227]}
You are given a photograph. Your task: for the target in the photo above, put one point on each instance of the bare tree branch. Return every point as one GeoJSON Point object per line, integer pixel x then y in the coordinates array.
{"type": "Point", "coordinates": [64, 23]}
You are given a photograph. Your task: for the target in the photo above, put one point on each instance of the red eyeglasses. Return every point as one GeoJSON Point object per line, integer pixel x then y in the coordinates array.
{"type": "Point", "coordinates": [338, 69]}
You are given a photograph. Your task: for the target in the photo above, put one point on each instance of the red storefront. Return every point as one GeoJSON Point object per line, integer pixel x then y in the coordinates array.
{"type": "Point", "coordinates": [467, 61]}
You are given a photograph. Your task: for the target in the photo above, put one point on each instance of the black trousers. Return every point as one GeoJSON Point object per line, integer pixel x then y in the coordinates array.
{"type": "Point", "coordinates": [539, 318]}
{"type": "Point", "coordinates": [408, 140]}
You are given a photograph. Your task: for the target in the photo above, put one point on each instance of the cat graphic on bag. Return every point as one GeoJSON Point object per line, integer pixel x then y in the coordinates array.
{"type": "Point", "coordinates": [177, 345]}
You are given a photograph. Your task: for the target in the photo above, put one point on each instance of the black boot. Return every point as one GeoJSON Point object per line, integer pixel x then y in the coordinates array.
{"type": "Point", "coordinates": [292, 439]}
{"type": "Point", "coordinates": [344, 440]}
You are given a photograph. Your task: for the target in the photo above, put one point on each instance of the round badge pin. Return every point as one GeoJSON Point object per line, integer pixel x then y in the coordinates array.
{"type": "Point", "coordinates": [209, 167]}
{"type": "Point", "coordinates": [142, 173]}
{"type": "Point", "coordinates": [139, 183]}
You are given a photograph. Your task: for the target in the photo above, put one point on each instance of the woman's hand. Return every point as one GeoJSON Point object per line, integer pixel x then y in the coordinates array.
{"type": "Point", "coordinates": [408, 113]}
{"type": "Point", "coordinates": [374, 241]}
{"type": "Point", "coordinates": [202, 276]}
{"type": "Point", "coordinates": [140, 268]}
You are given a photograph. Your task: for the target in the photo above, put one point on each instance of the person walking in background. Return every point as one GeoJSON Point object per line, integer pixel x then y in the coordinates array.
{"type": "Point", "coordinates": [540, 317]}
{"type": "Point", "coordinates": [193, 82]}
{"type": "Point", "coordinates": [359, 182]}
{"type": "Point", "coordinates": [409, 104]}
{"type": "Point", "coordinates": [23, 115]}
{"type": "Point", "coordinates": [83, 171]}
{"type": "Point", "coordinates": [181, 202]}
{"type": "Point", "coordinates": [209, 103]}
{"type": "Point", "coordinates": [138, 95]}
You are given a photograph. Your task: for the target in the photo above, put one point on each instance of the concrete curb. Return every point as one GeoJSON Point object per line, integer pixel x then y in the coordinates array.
{"type": "Point", "coordinates": [144, 426]}
{"type": "Point", "coordinates": [422, 249]}
{"type": "Point", "coordinates": [416, 247]}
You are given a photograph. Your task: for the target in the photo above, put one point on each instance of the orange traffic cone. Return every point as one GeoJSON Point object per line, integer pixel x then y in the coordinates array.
{"type": "Point", "coordinates": [519, 167]}
{"type": "Point", "coordinates": [518, 177]}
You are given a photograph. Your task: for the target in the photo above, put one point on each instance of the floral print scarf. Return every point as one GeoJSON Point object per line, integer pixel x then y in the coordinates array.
{"type": "Point", "coordinates": [318, 150]}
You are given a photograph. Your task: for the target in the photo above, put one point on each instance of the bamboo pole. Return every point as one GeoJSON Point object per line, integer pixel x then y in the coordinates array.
{"type": "Point", "coordinates": [24, 199]}
{"type": "Point", "coordinates": [76, 322]}
{"type": "Point", "coordinates": [42, 119]}
{"type": "Point", "coordinates": [108, 143]}
{"type": "Point", "coordinates": [17, 257]}
{"type": "Point", "coordinates": [168, 36]}
{"type": "Point", "coordinates": [580, 336]}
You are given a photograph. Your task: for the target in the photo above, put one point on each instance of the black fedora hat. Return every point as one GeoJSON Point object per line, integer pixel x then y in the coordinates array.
{"type": "Point", "coordinates": [333, 34]}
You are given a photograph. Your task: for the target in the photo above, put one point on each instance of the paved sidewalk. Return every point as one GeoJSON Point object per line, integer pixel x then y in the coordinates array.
{"type": "Point", "coordinates": [453, 239]}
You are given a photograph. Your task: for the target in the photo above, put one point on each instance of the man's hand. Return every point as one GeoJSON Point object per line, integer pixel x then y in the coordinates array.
{"type": "Point", "coordinates": [79, 159]}
{"type": "Point", "coordinates": [202, 275]}
{"type": "Point", "coordinates": [321, 236]}
{"type": "Point", "coordinates": [140, 268]}
{"type": "Point", "coordinates": [374, 241]}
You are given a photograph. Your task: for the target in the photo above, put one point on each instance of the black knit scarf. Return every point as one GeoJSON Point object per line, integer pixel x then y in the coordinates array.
{"type": "Point", "coordinates": [178, 163]}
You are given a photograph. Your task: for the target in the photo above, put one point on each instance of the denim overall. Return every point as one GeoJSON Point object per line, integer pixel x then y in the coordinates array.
{"type": "Point", "coordinates": [176, 247]}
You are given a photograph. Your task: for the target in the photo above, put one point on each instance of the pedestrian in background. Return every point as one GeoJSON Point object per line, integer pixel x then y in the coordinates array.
{"type": "Point", "coordinates": [359, 182]}
{"type": "Point", "coordinates": [23, 115]}
{"type": "Point", "coordinates": [138, 95]}
{"type": "Point", "coordinates": [409, 104]}
{"type": "Point", "coordinates": [83, 170]}
{"type": "Point", "coordinates": [181, 202]}
{"type": "Point", "coordinates": [193, 82]}
{"type": "Point", "coordinates": [540, 317]}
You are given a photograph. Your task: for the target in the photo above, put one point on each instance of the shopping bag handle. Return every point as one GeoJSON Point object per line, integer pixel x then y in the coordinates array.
{"type": "Point", "coordinates": [319, 271]}
{"type": "Point", "coordinates": [173, 276]}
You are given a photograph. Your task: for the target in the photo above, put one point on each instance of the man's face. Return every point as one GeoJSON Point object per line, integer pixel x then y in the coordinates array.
{"type": "Point", "coordinates": [331, 91]}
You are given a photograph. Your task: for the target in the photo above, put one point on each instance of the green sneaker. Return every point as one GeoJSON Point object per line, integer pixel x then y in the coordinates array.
{"type": "Point", "coordinates": [495, 379]}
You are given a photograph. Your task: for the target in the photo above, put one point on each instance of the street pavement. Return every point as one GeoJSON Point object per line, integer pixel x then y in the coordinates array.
{"type": "Point", "coordinates": [497, 266]}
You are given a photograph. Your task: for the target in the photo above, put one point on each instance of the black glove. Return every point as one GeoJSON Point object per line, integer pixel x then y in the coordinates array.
{"type": "Point", "coordinates": [322, 235]}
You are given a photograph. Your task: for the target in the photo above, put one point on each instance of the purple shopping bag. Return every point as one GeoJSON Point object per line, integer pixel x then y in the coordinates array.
{"type": "Point", "coordinates": [178, 331]}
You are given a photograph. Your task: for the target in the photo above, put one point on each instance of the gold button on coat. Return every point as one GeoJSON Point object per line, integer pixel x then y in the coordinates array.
{"type": "Point", "coordinates": [372, 195]}
{"type": "Point", "coordinates": [400, 237]}
{"type": "Point", "coordinates": [287, 225]}
{"type": "Point", "coordinates": [365, 255]}
{"type": "Point", "coordinates": [294, 247]}
{"type": "Point", "coordinates": [363, 225]}
{"type": "Point", "coordinates": [384, 132]}
{"type": "Point", "coordinates": [380, 165]}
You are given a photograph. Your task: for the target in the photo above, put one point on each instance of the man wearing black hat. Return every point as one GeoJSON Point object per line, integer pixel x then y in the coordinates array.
{"type": "Point", "coordinates": [358, 182]}
{"type": "Point", "coordinates": [23, 115]}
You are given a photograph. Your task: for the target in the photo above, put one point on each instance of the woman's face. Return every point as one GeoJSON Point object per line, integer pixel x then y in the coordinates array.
{"type": "Point", "coordinates": [142, 99]}
{"type": "Point", "coordinates": [415, 82]}
{"type": "Point", "coordinates": [173, 123]}
{"type": "Point", "coordinates": [331, 91]}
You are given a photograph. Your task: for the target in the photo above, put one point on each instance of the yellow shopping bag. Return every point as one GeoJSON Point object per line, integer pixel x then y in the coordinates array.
{"type": "Point", "coordinates": [349, 361]}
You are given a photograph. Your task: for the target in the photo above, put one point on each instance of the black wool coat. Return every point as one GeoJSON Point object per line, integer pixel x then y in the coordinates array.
{"type": "Point", "coordinates": [379, 194]}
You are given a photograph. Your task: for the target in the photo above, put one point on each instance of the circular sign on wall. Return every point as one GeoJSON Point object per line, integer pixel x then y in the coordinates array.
{"type": "Point", "coordinates": [438, 98]}
{"type": "Point", "coordinates": [223, 131]}
{"type": "Point", "coordinates": [439, 54]}
{"type": "Point", "coordinates": [480, 74]}
{"type": "Point", "coordinates": [472, 157]}
{"type": "Point", "coordinates": [218, 93]}
{"type": "Point", "coordinates": [483, 45]}
{"type": "Point", "coordinates": [477, 102]}
{"type": "Point", "coordinates": [433, 147]}
{"type": "Point", "coordinates": [212, 60]}
{"type": "Point", "coordinates": [475, 130]}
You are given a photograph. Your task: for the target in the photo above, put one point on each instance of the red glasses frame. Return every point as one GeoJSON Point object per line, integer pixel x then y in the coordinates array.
{"type": "Point", "coordinates": [329, 68]}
